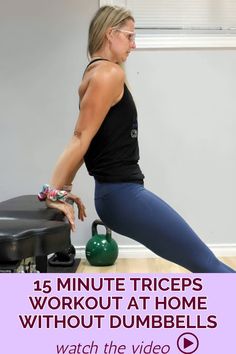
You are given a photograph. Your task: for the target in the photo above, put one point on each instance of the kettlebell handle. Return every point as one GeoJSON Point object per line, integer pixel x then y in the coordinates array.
{"type": "Point", "coordinates": [95, 232]}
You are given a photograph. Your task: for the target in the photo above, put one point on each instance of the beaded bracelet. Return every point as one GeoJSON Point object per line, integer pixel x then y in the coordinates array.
{"type": "Point", "coordinates": [52, 194]}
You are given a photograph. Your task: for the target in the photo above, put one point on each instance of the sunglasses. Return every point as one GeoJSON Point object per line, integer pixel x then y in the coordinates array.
{"type": "Point", "coordinates": [128, 34]}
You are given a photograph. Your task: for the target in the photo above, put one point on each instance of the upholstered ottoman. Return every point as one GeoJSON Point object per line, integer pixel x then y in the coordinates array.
{"type": "Point", "coordinates": [30, 231]}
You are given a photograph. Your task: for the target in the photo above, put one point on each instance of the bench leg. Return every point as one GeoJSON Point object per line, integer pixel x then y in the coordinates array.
{"type": "Point", "coordinates": [41, 263]}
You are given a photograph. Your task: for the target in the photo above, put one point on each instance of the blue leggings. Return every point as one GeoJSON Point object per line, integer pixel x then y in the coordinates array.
{"type": "Point", "coordinates": [131, 210]}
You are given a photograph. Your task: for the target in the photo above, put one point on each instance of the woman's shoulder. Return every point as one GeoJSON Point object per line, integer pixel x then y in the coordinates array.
{"type": "Point", "coordinates": [107, 70]}
{"type": "Point", "coordinates": [103, 74]}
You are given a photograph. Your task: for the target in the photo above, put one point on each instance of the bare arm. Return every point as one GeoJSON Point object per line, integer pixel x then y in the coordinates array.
{"type": "Point", "coordinates": [103, 90]}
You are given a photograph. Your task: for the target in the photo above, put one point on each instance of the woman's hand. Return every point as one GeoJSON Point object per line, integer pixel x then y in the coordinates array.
{"type": "Point", "coordinates": [68, 208]}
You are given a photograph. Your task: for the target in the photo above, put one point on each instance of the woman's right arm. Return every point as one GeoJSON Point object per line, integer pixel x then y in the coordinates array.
{"type": "Point", "coordinates": [103, 90]}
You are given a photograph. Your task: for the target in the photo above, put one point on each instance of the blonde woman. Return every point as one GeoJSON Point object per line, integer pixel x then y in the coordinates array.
{"type": "Point", "coordinates": [106, 139]}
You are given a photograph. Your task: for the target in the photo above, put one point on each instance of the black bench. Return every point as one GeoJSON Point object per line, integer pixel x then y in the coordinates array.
{"type": "Point", "coordinates": [29, 232]}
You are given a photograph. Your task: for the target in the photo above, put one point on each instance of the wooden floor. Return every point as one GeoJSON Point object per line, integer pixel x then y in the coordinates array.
{"type": "Point", "coordinates": [145, 265]}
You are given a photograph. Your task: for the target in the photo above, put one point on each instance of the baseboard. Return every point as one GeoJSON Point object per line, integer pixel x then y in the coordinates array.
{"type": "Point", "coordinates": [223, 250]}
{"type": "Point", "coordinates": [139, 251]}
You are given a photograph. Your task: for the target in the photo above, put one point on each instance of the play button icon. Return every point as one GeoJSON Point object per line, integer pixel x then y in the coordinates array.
{"type": "Point", "coordinates": [188, 343]}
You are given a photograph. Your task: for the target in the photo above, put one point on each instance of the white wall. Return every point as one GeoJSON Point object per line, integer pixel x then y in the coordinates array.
{"type": "Point", "coordinates": [187, 110]}
{"type": "Point", "coordinates": [43, 55]}
{"type": "Point", "coordinates": [186, 114]}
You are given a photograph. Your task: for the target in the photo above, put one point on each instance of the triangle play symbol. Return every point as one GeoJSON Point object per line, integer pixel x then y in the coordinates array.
{"type": "Point", "coordinates": [187, 343]}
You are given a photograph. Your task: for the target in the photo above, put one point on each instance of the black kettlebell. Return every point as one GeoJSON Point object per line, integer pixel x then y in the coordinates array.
{"type": "Point", "coordinates": [101, 250]}
{"type": "Point", "coordinates": [65, 258]}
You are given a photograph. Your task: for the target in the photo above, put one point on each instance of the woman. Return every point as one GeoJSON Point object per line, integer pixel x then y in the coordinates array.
{"type": "Point", "coordinates": [105, 137]}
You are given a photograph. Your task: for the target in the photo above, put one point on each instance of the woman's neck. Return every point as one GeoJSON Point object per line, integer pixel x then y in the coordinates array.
{"type": "Point", "coordinates": [104, 54]}
{"type": "Point", "coordinates": [94, 57]}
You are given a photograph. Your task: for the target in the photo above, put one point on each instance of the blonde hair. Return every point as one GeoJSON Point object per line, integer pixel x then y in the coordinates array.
{"type": "Point", "coordinates": [105, 17]}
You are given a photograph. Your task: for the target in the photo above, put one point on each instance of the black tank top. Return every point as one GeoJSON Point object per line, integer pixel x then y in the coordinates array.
{"type": "Point", "coordinates": [113, 153]}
